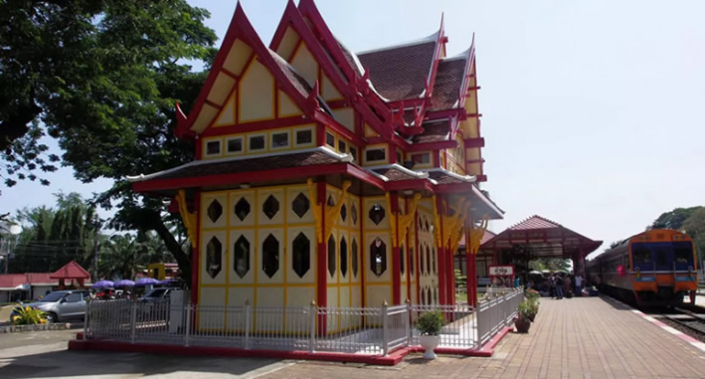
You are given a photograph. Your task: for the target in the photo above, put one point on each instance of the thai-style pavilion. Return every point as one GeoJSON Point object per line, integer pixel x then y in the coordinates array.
{"type": "Point", "coordinates": [321, 174]}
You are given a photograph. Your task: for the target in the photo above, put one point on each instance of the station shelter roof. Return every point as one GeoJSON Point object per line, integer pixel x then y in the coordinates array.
{"type": "Point", "coordinates": [71, 270]}
{"type": "Point", "coordinates": [543, 238]}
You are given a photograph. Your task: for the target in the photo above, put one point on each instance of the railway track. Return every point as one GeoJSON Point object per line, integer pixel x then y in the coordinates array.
{"type": "Point", "coordinates": [689, 320]}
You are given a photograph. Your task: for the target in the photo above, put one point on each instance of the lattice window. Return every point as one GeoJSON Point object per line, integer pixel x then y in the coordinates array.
{"type": "Point", "coordinates": [241, 256]}
{"type": "Point", "coordinates": [353, 258]}
{"type": "Point", "coordinates": [214, 211]}
{"type": "Point", "coordinates": [343, 212]}
{"type": "Point", "coordinates": [270, 207]}
{"type": "Point", "coordinates": [353, 213]}
{"type": "Point", "coordinates": [343, 256]}
{"type": "Point", "coordinates": [242, 209]}
{"type": "Point", "coordinates": [300, 205]}
{"type": "Point", "coordinates": [331, 256]}
{"type": "Point", "coordinates": [411, 261]}
{"type": "Point", "coordinates": [377, 213]}
{"type": "Point", "coordinates": [214, 257]}
{"type": "Point", "coordinates": [378, 257]}
{"type": "Point", "coordinates": [301, 261]}
{"type": "Point", "coordinates": [270, 255]}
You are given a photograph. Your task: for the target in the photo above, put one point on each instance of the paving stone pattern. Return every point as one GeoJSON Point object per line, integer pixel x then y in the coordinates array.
{"type": "Point", "coordinates": [571, 338]}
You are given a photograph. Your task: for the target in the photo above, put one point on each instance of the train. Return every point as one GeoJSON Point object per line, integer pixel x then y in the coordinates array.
{"type": "Point", "coordinates": [655, 268]}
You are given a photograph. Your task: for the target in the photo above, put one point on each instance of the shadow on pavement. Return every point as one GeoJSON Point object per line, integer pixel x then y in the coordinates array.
{"type": "Point", "coordinates": [89, 364]}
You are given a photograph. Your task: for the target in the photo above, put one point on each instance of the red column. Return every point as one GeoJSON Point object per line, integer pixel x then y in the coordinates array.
{"type": "Point", "coordinates": [396, 261]}
{"type": "Point", "coordinates": [409, 256]}
{"type": "Point", "coordinates": [322, 260]}
{"type": "Point", "coordinates": [450, 283]}
{"type": "Point", "coordinates": [470, 271]}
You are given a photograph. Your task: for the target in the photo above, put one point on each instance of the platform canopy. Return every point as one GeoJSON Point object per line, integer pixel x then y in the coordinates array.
{"type": "Point", "coordinates": [542, 238]}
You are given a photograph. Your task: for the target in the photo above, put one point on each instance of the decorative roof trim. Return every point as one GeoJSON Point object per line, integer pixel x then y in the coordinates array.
{"type": "Point", "coordinates": [344, 158]}
{"type": "Point", "coordinates": [432, 38]}
{"type": "Point", "coordinates": [465, 178]}
{"type": "Point", "coordinates": [396, 166]}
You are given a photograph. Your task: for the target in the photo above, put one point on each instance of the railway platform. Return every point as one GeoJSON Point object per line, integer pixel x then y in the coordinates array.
{"type": "Point", "coordinates": [589, 337]}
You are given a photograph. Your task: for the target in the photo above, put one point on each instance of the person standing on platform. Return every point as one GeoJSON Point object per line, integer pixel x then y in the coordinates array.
{"type": "Point", "coordinates": [566, 285]}
{"type": "Point", "coordinates": [559, 286]}
{"type": "Point", "coordinates": [578, 285]}
{"type": "Point", "coordinates": [552, 284]}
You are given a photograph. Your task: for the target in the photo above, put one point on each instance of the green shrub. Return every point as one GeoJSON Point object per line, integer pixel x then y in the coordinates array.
{"type": "Point", "coordinates": [28, 316]}
{"type": "Point", "coordinates": [430, 323]}
{"type": "Point", "coordinates": [525, 310]}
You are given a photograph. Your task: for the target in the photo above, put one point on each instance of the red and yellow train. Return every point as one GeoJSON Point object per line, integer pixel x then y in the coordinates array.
{"type": "Point", "coordinates": [656, 267]}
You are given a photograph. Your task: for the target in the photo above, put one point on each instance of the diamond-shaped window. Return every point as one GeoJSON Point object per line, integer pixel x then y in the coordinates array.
{"type": "Point", "coordinates": [331, 202]}
{"type": "Point", "coordinates": [353, 257]}
{"type": "Point", "coordinates": [214, 257]}
{"type": "Point", "coordinates": [271, 207]}
{"type": "Point", "coordinates": [428, 260]}
{"type": "Point", "coordinates": [376, 213]}
{"type": "Point", "coordinates": [241, 256]}
{"type": "Point", "coordinates": [343, 212]}
{"type": "Point", "coordinates": [242, 209]}
{"type": "Point", "coordinates": [378, 257]}
{"type": "Point", "coordinates": [301, 261]}
{"type": "Point", "coordinates": [331, 256]}
{"type": "Point", "coordinates": [401, 259]}
{"type": "Point", "coordinates": [300, 205]}
{"type": "Point", "coordinates": [343, 256]}
{"type": "Point", "coordinates": [270, 255]}
{"type": "Point", "coordinates": [215, 210]}
{"type": "Point", "coordinates": [411, 261]}
{"type": "Point", "coordinates": [427, 226]}
{"type": "Point", "coordinates": [353, 213]}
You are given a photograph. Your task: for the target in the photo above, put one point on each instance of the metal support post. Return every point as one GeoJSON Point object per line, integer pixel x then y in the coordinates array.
{"type": "Point", "coordinates": [187, 330]}
{"type": "Point", "coordinates": [133, 323]}
{"type": "Point", "coordinates": [312, 320]}
{"type": "Point", "coordinates": [248, 322]}
{"type": "Point", "coordinates": [385, 332]}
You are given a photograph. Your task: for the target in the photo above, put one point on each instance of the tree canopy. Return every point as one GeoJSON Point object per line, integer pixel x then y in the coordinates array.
{"type": "Point", "coordinates": [102, 77]}
{"type": "Point", "coordinates": [691, 221]}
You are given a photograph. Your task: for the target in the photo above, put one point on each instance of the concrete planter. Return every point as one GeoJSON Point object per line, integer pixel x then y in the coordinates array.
{"type": "Point", "coordinates": [429, 343]}
{"type": "Point", "coordinates": [34, 328]}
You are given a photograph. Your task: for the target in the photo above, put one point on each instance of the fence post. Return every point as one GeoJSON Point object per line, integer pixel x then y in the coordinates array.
{"type": "Point", "coordinates": [187, 331]}
{"type": "Point", "coordinates": [409, 329]}
{"type": "Point", "coordinates": [312, 320]}
{"type": "Point", "coordinates": [85, 320]}
{"type": "Point", "coordinates": [385, 340]}
{"type": "Point", "coordinates": [248, 322]}
{"type": "Point", "coordinates": [133, 322]}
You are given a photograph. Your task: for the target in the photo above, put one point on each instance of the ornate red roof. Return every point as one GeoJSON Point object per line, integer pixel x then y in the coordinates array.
{"type": "Point", "coordinates": [449, 83]}
{"type": "Point", "coordinates": [400, 73]}
{"type": "Point", "coordinates": [535, 222]}
{"type": "Point", "coordinates": [71, 270]}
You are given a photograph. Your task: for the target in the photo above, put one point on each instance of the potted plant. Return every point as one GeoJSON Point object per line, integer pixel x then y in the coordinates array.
{"type": "Point", "coordinates": [430, 325]}
{"type": "Point", "coordinates": [523, 322]}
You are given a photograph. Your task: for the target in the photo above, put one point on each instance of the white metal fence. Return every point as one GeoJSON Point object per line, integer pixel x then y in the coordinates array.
{"type": "Point", "coordinates": [375, 331]}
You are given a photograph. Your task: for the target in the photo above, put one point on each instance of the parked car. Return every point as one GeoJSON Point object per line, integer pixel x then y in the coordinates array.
{"type": "Point", "coordinates": [155, 295]}
{"type": "Point", "coordinates": [61, 305]}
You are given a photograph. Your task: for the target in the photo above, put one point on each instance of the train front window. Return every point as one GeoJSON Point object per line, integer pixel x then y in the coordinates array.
{"type": "Point", "coordinates": [641, 257]}
{"type": "Point", "coordinates": [661, 257]}
{"type": "Point", "coordinates": [683, 255]}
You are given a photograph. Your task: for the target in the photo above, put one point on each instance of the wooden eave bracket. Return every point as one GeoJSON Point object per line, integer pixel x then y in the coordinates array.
{"type": "Point", "coordinates": [407, 219]}
{"type": "Point", "coordinates": [189, 218]}
{"type": "Point", "coordinates": [334, 211]}
{"type": "Point", "coordinates": [476, 234]}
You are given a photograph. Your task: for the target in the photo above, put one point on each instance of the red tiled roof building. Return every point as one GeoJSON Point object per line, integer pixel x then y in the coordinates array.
{"type": "Point", "coordinates": [325, 175]}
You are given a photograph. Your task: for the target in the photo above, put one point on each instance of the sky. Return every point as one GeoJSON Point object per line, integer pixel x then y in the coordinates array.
{"type": "Point", "coordinates": [592, 110]}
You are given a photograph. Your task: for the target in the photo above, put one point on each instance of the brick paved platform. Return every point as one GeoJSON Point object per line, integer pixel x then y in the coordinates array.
{"type": "Point", "coordinates": [571, 338]}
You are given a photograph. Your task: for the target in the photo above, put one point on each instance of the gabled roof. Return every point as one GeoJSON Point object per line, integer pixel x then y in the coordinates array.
{"type": "Point", "coordinates": [447, 89]}
{"type": "Point", "coordinates": [71, 270]}
{"type": "Point", "coordinates": [401, 72]}
{"type": "Point", "coordinates": [240, 29]}
{"type": "Point", "coordinates": [15, 281]}
{"type": "Point", "coordinates": [433, 132]}
{"type": "Point", "coordinates": [535, 222]}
